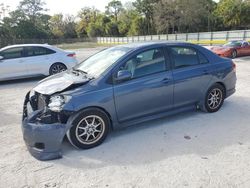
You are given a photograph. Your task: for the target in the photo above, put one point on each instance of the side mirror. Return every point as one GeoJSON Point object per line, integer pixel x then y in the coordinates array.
{"type": "Point", "coordinates": [123, 75]}
{"type": "Point", "coordinates": [1, 57]}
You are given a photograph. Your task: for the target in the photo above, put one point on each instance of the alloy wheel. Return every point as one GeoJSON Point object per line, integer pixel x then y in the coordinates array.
{"type": "Point", "coordinates": [57, 68]}
{"type": "Point", "coordinates": [215, 98]}
{"type": "Point", "coordinates": [90, 129]}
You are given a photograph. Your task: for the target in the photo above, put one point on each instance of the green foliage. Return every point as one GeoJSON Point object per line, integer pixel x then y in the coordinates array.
{"type": "Point", "coordinates": [112, 29]}
{"type": "Point", "coordinates": [140, 17]}
{"type": "Point", "coordinates": [56, 25]}
{"type": "Point", "coordinates": [183, 15]}
{"type": "Point", "coordinates": [31, 9]}
{"type": "Point", "coordinates": [146, 9]}
{"type": "Point", "coordinates": [233, 13]}
{"type": "Point", "coordinates": [114, 8]}
{"type": "Point", "coordinates": [63, 26]}
{"type": "Point", "coordinates": [27, 21]}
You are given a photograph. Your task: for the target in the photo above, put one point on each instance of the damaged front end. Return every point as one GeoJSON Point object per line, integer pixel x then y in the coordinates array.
{"type": "Point", "coordinates": [46, 113]}
{"type": "Point", "coordinates": [44, 125]}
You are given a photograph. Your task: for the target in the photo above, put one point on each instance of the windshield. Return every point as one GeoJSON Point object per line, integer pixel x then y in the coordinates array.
{"type": "Point", "coordinates": [100, 62]}
{"type": "Point", "coordinates": [233, 44]}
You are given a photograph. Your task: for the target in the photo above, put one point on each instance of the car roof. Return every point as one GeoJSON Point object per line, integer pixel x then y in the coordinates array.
{"type": "Point", "coordinates": [238, 41]}
{"type": "Point", "coordinates": [25, 45]}
{"type": "Point", "coordinates": [153, 43]}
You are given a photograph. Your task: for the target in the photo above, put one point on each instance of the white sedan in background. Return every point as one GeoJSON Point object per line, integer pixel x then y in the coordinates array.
{"type": "Point", "coordinates": [28, 60]}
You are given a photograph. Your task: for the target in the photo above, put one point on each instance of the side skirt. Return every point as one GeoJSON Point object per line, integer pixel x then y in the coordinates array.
{"type": "Point", "coordinates": [156, 116]}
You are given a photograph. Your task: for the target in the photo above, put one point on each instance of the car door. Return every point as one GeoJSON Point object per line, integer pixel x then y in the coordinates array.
{"type": "Point", "coordinates": [245, 48]}
{"type": "Point", "coordinates": [191, 73]}
{"type": "Point", "coordinates": [150, 89]}
{"type": "Point", "coordinates": [13, 63]}
{"type": "Point", "coordinates": [38, 59]}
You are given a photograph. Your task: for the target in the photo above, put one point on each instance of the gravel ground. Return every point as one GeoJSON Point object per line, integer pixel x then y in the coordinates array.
{"type": "Point", "coordinates": [194, 149]}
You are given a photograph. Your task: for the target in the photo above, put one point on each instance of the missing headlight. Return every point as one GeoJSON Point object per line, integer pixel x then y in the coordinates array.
{"type": "Point", "coordinates": [56, 103]}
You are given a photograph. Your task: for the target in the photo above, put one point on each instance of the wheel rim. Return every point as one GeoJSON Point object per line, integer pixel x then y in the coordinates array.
{"type": "Point", "coordinates": [90, 129]}
{"type": "Point", "coordinates": [234, 54]}
{"type": "Point", "coordinates": [57, 69]}
{"type": "Point", "coordinates": [214, 98]}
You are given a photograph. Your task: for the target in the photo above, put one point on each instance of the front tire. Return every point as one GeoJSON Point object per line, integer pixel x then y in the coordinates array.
{"type": "Point", "coordinates": [90, 128]}
{"type": "Point", "coordinates": [214, 98]}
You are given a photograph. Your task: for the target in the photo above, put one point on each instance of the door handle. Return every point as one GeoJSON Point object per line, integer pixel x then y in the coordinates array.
{"type": "Point", "coordinates": [165, 80]}
{"type": "Point", "coordinates": [205, 72]}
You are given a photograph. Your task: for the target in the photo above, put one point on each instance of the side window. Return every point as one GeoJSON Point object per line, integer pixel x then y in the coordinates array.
{"type": "Point", "coordinates": [145, 63]}
{"type": "Point", "coordinates": [36, 51]}
{"type": "Point", "coordinates": [40, 51]}
{"type": "Point", "coordinates": [49, 51]}
{"type": "Point", "coordinates": [29, 51]}
{"type": "Point", "coordinates": [245, 44]}
{"type": "Point", "coordinates": [12, 53]}
{"type": "Point", "coordinates": [202, 58]}
{"type": "Point", "coordinates": [184, 57]}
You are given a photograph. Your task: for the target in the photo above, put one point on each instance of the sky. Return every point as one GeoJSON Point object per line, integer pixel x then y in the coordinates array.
{"type": "Point", "coordinates": [65, 6]}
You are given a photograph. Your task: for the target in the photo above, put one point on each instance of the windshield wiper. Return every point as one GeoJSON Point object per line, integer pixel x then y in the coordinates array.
{"type": "Point", "coordinates": [78, 70]}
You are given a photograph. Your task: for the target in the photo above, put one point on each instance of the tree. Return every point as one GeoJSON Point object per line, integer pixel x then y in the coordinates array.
{"type": "Point", "coordinates": [31, 9]}
{"type": "Point", "coordinates": [129, 20]}
{"type": "Point", "coordinates": [94, 30]}
{"type": "Point", "coordinates": [146, 9]}
{"type": "Point", "coordinates": [233, 13]}
{"type": "Point", "coordinates": [183, 15]}
{"type": "Point", "coordinates": [28, 21]}
{"type": "Point", "coordinates": [112, 29]}
{"type": "Point", "coordinates": [56, 25]}
{"type": "Point", "coordinates": [138, 27]}
{"type": "Point", "coordinates": [69, 27]}
{"type": "Point", "coordinates": [114, 8]}
{"type": "Point", "coordinates": [63, 26]}
{"type": "Point", "coordinates": [166, 16]}
{"type": "Point", "coordinates": [86, 15]}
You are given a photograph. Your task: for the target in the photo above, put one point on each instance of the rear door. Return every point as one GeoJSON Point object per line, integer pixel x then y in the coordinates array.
{"type": "Point", "coordinates": [39, 59]}
{"type": "Point", "coordinates": [13, 63]}
{"type": "Point", "coordinates": [191, 73]}
{"type": "Point", "coordinates": [149, 91]}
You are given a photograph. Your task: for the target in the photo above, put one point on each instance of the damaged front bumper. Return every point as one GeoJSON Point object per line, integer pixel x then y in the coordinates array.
{"type": "Point", "coordinates": [43, 135]}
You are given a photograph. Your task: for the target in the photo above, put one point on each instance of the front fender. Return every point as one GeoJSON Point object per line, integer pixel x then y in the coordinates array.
{"type": "Point", "coordinates": [102, 99]}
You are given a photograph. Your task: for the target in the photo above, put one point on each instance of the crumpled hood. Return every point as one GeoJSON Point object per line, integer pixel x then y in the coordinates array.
{"type": "Point", "coordinates": [59, 82]}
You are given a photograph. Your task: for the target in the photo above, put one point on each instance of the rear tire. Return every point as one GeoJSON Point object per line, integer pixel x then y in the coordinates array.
{"type": "Point", "coordinates": [214, 98]}
{"type": "Point", "coordinates": [90, 128]}
{"type": "Point", "coordinates": [57, 68]}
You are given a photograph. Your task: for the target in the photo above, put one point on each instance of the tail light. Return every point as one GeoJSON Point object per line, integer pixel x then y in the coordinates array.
{"type": "Point", "coordinates": [234, 66]}
{"type": "Point", "coordinates": [72, 55]}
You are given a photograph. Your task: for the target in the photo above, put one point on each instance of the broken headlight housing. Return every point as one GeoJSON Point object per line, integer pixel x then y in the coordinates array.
{"type": "Point", "coordinates": [57, 102]}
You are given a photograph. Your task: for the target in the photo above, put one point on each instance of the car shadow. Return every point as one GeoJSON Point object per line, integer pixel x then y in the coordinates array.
{"type": "Point", "coordinates": [21, 83]}
{"type": "Point", "coordinates": [191, 133]}
{"type": "Point", "coordinates": [242, 59]}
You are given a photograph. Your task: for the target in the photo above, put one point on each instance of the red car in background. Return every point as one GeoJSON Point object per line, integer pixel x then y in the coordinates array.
{"type": "Point", "coordinates": [233, 49]}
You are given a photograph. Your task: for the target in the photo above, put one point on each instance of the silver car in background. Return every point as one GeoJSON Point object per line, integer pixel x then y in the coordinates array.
{"type": "Point", "coordinates": [29, 60]}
